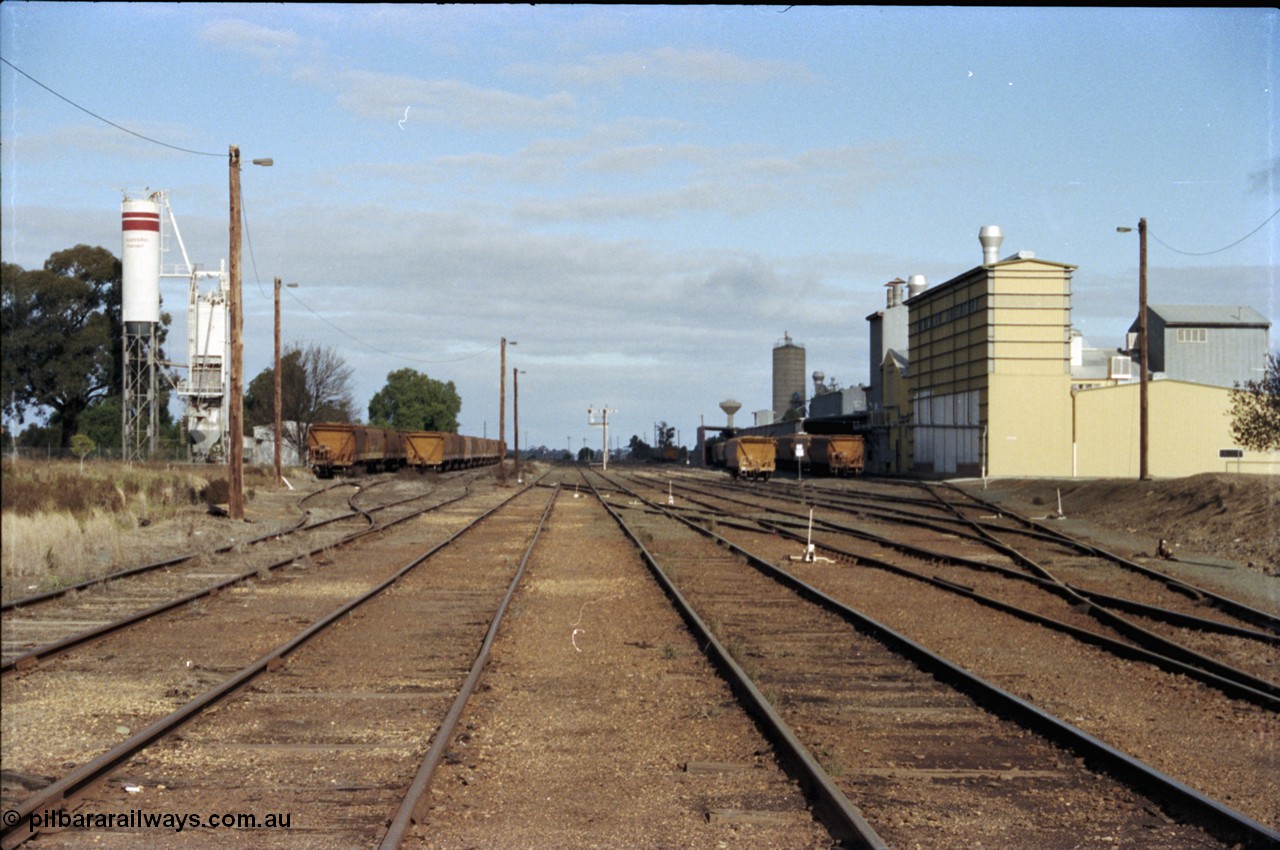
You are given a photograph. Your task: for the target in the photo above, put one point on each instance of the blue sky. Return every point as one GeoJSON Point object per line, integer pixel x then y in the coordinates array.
{"type": "Point", "coordinates": [646, 198]}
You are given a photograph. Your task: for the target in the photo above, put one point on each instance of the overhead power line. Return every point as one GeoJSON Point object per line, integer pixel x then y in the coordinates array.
{"type": "Point", "coordinates": [1217, 250]}
{"type": "Point", "coordinates": [105, 120]}
{"type": "Point", "coordinates": [356, 339]}
{"type": "Point", "coordinates": [244, 212]}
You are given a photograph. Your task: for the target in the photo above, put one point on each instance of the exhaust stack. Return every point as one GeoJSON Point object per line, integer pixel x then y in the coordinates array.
{"type": "Point", "coordinates": [990, 236]}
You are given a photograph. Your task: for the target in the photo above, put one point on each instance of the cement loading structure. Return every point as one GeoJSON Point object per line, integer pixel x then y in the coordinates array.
{"type": "Point", "coordinates": [146, 234]}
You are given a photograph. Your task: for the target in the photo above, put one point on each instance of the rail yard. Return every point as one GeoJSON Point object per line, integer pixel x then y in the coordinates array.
{"type": "Point", "coordinates": [643, 657]}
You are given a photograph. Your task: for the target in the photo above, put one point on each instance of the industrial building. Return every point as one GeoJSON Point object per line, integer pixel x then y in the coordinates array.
{"type": "Point", "coordinates": [1219, 345]}
{"type": "Point", "coordinates": [990, 368]}
{"type": "Point", "coordinates": [984, 375]}
{"type": "Point", "coordinates": [995, 381]}
{"type": "Point", "coordinates": [1189, 432]}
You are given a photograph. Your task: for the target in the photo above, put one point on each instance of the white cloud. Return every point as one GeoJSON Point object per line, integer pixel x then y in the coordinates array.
{"type": "Point", "coordinates": [262, 43]}
{"type": "Point", "coordinates": [445, 102]}
{"type": "Point", "coordinates": [704, 66]}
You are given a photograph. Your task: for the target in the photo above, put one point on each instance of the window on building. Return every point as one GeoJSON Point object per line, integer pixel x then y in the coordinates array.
{"type": "Point", "coordinates": [1193, 335]}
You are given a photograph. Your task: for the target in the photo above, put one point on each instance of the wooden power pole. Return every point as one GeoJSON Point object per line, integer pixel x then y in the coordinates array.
{"type": "Point", "coordinates": [235, 403]}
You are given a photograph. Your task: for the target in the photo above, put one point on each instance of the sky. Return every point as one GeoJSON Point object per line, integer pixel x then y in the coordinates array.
{"type": "Point", "coordinates": [644, 198]}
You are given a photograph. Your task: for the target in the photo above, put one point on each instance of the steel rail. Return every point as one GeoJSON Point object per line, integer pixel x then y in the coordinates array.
{"type": "Point", "coordinates": [1228, 823]}
{"type": "Point", "coordinates": [1229, 606]}
{"type": "Point", "coordinates": [1238, 609]}
{"type": "Point", "coordinates": [1242, 685]}
{"type": "Point", "coordinates": [1167, 615]}
{"type": "Point", "coordinates": [404, 816]}
{"type": "Point", "coordinates": [32, 658]}
{"type": "Point", "coordinates": [1166, 653]}
{"type": "Point", "coordinates": [81, 777]}
{"type": "Point", "coordinates": [48, 595]}
{"type": "Point", "coordinates": [951, 525]}
{"type": "Point", "coordinates": [840, 815]}
{"type": "Point", "coordinates": [1066, 591]}
{"type": "Point", "coordinates": [1161, 646]}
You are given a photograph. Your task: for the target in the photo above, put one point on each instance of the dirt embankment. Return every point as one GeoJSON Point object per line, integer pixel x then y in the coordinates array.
{"type": "Point", "coordinates": [1216, 516]}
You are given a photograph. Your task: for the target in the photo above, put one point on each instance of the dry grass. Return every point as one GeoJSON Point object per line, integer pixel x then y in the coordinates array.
{"type": "Point", "coordinates": [33, 488]}
{"type": "Point", "coordinates": [59, 524]}
{"type": "Point", "coordinates": [54, 549]}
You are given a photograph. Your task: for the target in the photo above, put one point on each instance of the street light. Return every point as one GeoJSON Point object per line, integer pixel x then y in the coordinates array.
{"type": "Point", "coordinates": [235, 404]}
{"type": "Point", "coordinates": [279, 477]}
{"type": "Point", "coordinates": [1143, 473]}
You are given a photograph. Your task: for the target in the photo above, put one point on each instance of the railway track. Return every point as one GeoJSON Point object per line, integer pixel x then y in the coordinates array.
{"type": "Point", "coordinates": [290, 744]}
{"type": "Point", "coordinates": [76, 705]}
{"type": "Point", "coordinates": [43, 625]}
{"type": "Point", "coordinates": [342, 729]}
{"type": "Point", "coordinates": [602, 724]}
{"type": "Point", "coordinates": [1234, 649]}
{"type": "Point", "coordinates": [328, 723]}
{"type": "Point", "coordinates": [725, 595]}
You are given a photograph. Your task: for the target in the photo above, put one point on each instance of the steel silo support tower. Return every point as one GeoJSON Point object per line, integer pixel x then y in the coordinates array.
{"type": "Point", "coordinates": [140, 312]}
{"type": "Point", "coordinates": [204, 390]}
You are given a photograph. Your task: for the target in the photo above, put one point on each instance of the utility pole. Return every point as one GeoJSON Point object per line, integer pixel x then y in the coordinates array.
{"type": "Point", "coordinates": [235, 403]}
{"type": "Point", "coordinates": [276, 373]}
{"type": "Point", "coordinates": [279, 477]}
{"type": "Point", "coordinates": [1143, 441]}
{"type": "Point", "coordinates": [502, 401]}
{"type": "Point", "coordinates": [603, 423]}
{"type": "Point", "coordinates": [235, 315]}
{"type": "Point", "coordinates": [515, 416]}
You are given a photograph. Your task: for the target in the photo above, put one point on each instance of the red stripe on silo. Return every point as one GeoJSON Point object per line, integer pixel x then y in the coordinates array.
{"type": "Point", "coordinates": [141, 221]}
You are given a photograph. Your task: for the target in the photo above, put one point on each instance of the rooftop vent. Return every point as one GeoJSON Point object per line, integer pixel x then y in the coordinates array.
{"type": "Point", "coordinates": [990, 236]}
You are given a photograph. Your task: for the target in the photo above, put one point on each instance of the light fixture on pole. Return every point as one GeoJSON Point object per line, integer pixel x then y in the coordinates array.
{"type": "Point", "coordinates": [1143, 471]}
{"type": "Point", "coordinates": [235, 402]}
{"type": "Point", "coordinates": [279, 477]}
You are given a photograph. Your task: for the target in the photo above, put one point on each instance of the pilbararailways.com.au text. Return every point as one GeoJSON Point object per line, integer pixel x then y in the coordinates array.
{"type": "Point", "coordinates": [138, 819]}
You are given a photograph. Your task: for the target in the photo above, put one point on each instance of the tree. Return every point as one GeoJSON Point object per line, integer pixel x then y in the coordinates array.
{"type": "Point", "coordinates": [62, 337]}
{"type": "Point", "coordinates": [82, 446]}
{"type": "Point", "coordinates": [412, 401]}
{"type": "Point", "coordinates": [640, 450]}
{"type": "Point", "coordinates": [315, 386]}
{"type": "Point", "coordinates": [1255, 410]}
{"type": "Point", "coordinates": [57, 324]}
{"type": "Point", "coordinates": [102, 421]}
{"type": "Point", "coordinates": [260, 399]}
{"type": "Point", "coordinates": [666, 435]}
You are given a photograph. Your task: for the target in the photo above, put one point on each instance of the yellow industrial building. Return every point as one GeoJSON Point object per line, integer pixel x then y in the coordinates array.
{"type": "Point", "coordinates": [990, 371]}
{"type": "Point", "coordinates": [986, 388]}
{"type": "Point", "coordinates": [1189, 432]}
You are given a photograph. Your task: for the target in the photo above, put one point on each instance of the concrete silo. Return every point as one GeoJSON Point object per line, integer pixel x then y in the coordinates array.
{"type": "Point", "coordinates": [788, 376]}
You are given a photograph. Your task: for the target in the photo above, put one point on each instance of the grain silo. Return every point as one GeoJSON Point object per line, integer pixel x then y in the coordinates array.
{"type": "Point", "coordinates": [788, 377]}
